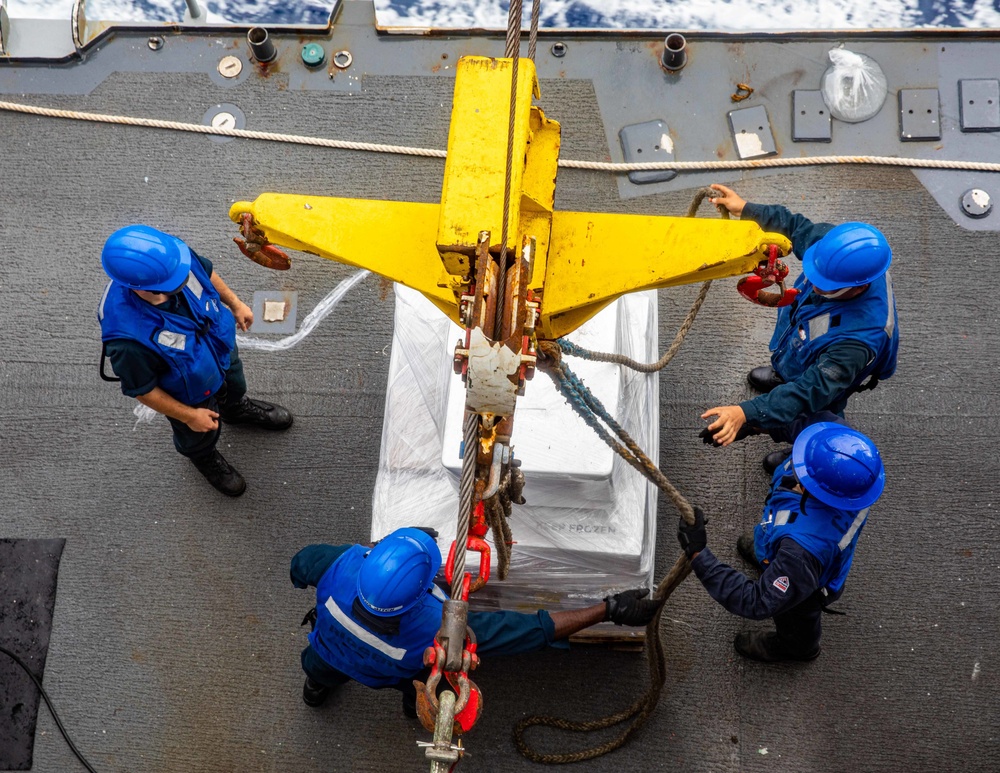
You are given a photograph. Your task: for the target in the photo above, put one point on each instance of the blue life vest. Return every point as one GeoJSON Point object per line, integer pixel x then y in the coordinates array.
{"type": "Point", "coordinates": [812, 323]}
{"type": "Point", "coordinates": [377, 660]}
{"type": "Point", "coordinates": [196, 348]}
{"type": "Point", "coordinates": [827, 533]}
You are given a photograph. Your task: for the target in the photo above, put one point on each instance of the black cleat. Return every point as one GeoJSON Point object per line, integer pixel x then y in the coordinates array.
{"type": "Point", "coordinates": [766, 648]}
{"type": "Point", "coordinates": [764, 379]}
{"type": "Point", "coordinates": [315, 694]}
{"type": "Point", "coordinates": [258, 413]}
{"type": "Point", "coordinates": [775, 459]}
{"type": "Point", "coordinates": [221, 474]}
{"type": "Point", "coordinates": [744, 546]}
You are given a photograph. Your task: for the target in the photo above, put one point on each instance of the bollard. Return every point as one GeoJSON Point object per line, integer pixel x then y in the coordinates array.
{"type": "Point", "coordinates": [261, 47]}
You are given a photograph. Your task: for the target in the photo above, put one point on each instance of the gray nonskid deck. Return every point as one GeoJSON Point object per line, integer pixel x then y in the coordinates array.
{"type": "Point", "coordinates": [176, 635]}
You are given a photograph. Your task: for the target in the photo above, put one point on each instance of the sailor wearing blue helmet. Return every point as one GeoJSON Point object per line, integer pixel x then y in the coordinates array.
{"type": "Point", "coordinates": [804, 543]}
{"type": "Point", "coordinates": [378, 609]}
{"type": "Point", "coordinates": [839, 336]}
{"type": "Point", "coordinates": [168, 325]}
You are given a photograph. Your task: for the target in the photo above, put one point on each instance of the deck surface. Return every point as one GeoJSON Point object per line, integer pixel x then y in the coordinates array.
{"type": "Point", "coordinates": [176, 633]}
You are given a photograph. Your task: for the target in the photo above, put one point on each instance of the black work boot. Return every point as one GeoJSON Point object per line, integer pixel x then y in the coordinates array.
{"type": "Point", "coordinates": [767, 648]}
{"type": "Point", "coordinates": [315, 694]}
{"type": "Point", "coordinates": [744, 546]}
{"type": "Point", "coordinates": [221, 474]}
{"type": "Point", "coordinates": [764, 379]}
{"type": "Point", "coordinates": [410, 705]}
{"type": "Point", "coordinates": [775, 459]}
{"type": "Point", "coordinates": [258, 413]}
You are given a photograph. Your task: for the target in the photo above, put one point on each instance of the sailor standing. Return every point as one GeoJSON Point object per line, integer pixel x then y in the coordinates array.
{"type": "Point", "coordinates": [168, 325]}
{"type": "Point", "coordinates": [804, 543]}
{"type": "Point", "coordinates": [839, 336]}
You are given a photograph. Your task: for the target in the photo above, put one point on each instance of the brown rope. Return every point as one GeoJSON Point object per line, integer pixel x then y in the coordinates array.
{"type": "Point", "coordinates": [639, 711]}
{"type": "Point", "coordinates": [592, 412]}
{"type": "Point", "coordinates": [668, 355]}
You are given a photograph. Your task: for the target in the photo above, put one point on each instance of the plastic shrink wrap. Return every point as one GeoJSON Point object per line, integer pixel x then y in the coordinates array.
{"type": "Point", "coordinates": [589, 524]}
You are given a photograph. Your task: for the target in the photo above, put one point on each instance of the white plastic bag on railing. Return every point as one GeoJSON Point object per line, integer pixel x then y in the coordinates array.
{"type": "Point", "coordinates": [854, 87]}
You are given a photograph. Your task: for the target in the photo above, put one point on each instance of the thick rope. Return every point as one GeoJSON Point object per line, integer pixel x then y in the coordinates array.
{"type": "Point", "coordinates": [597, 166]}
{"type": "Point", "coordinates": [568, 347]}
{"type": "Point", "coordinates": [197, 128]}
{"type": "Point", "coordinates": [593, 412]}
{"type": "Point", "coordinates": [639, 711]}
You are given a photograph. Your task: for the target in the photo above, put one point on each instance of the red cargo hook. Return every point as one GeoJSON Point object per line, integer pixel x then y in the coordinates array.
{"type": "Point", "coordinates": [768, 272]}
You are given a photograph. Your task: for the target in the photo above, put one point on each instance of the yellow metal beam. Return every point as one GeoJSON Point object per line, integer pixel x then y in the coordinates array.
{"type": "Point", "coordinates": [581, 262]}
{"type": "Point", "coordinates": [595, 257]}
{"type": "Point", "coordinates": [472, 193]}
{"type": "Point", "coordinates": [391, 238]}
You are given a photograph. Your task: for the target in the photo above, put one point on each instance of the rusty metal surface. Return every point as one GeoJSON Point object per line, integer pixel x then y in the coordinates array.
{"type": "Point", "coordinates": [175, 638]}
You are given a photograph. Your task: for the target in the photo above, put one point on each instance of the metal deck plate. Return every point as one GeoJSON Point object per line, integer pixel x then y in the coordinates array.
{"type": "Point", "coordinates": [810, 117]}
{"type": "Point", "coordinates": [919, 115]}
{"type": "Point", "coordinates": [645, 143]}
{"type": "Point", "coordinates": [752, 132]}
{"type": "Point", "coordinates": [979, 101]}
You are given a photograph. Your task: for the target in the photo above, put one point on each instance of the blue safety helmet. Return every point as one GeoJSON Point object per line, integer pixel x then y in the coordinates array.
{"type": "Point", "coordinates": [142, 258]}
{"type": "Point", "coordinates": [849, 255]}
{"type": "Point", "coordinates": [398, 571]}
{"type": "Point", "coordinates": [838, 465]}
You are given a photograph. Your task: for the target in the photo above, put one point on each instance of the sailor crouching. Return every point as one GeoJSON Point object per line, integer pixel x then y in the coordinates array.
{"type": "Point", "coordinates": [168, 325]}
{"type": "Point", "coordinates": [803, 545]}
{"type": "Point", "coordinates": [378, 609]}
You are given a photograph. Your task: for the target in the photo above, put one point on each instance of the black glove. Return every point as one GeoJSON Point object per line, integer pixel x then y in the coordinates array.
{"type": "Point", "coordinates": [708, 438]}
{"type": "Point", "coordinates": [428, 530]}
{"type": "Point", "coordinates": [693, 538]}
{"type": "Point", "coordinates": [630, 607]}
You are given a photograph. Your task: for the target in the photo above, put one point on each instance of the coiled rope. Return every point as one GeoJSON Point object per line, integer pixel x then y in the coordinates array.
{"type": "Point", "coordinates": [595, 166]}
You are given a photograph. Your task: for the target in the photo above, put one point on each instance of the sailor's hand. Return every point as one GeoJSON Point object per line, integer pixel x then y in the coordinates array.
{"type": "Point", "coordinates": [631, 607]}
{"type": "Point", "coordinates": [692, 537]}
{"type": "Point", "coordinates": [243, 314]}
{"type": "Point", "coordinates": [726, 427]}
{"type": "Point", "coordinates": [203, 420]}
{"type": "Point", "coordinates": [729, 199]}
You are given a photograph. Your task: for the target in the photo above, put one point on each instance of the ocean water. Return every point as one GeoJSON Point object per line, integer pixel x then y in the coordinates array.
{"type": "Point", "coordinates": [725, 15]}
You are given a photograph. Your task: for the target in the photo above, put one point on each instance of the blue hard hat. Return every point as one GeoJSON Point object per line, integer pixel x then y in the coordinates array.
{"type": "Point", "coordinates": [398, 571]}
{"type": "Point", "coordinates": [849, 255]}
{"type": "Point", "coordinates": [838, 465]}
{"type": "Point", "coordinates": [142, 258]}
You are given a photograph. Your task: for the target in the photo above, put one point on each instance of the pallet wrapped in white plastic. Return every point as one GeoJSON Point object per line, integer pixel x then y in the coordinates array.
{"type": "Point", "coordinates": [589, 523]}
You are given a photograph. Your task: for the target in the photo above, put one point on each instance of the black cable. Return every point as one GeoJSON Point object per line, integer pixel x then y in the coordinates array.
{"type": "Point", "coordinates": [45, 696]}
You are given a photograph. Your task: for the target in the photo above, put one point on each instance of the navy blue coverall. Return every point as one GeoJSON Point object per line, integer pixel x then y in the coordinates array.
{"type": "Point", "coordinates": [825, 384]}
{"type": "Point", "coordinates": [502, 633]}
{"type": "Point", "coordinates": [789, 588]}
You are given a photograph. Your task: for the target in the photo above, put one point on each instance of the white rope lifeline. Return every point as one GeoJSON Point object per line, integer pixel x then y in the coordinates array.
{"type": "Point", "coordinates": [596, 166]}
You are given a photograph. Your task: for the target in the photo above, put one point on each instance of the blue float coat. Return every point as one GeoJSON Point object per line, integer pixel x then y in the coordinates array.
{"type": "Point", "coordinates": [800, 553]}
{"type": "Point", "coordinates": [497, 633]}
{"type": "Point", "coordinates": [192, 336]}
{"type": "Point", "coordinates": [820, 374]}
